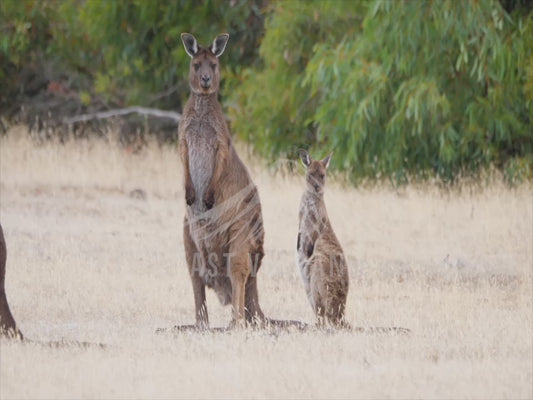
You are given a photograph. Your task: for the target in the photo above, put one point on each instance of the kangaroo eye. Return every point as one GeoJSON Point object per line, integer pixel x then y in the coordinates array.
{"type": "Point", "coordinates": [321, 176]}
{"type": "Point", "coordinates": [213, 66]}
{"type": "Point", "coordinates": [196, 67]}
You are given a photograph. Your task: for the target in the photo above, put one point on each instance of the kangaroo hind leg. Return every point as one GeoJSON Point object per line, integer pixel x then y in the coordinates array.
{"type": "Point", "coordinates": [194, 260]}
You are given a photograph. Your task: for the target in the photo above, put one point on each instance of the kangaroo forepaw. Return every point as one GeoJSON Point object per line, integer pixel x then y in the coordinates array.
{"type": "Point", "coordinates": [209, 199]}
{"type": "Point", "coordinates": [190, 196]}
{"type": "Point", "coordinates": [309, 249]}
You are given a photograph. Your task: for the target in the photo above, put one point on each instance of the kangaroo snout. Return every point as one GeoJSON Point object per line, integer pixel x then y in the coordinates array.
{"type": "Point", "coordinates": [205, 81]}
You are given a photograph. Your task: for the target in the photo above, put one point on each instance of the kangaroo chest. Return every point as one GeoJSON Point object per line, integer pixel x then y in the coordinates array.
{"type": "Point", "coordinates": [313, 218]}
{"type": "Point", "coordinates": [202, 144]}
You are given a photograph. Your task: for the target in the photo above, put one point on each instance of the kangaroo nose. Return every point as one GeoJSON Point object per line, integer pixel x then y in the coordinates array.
{"type": "Point", "coordinates": [206, 81]}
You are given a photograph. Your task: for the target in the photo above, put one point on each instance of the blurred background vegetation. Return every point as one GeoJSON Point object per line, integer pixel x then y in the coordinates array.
{"type": "Point", "coordinates": [397, 89]}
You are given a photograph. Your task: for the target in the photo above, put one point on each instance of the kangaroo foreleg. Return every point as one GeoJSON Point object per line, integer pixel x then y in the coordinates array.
{"type": "Point", "coordinates": [219, 166]}
{"type": "Point", "coordinates": [190, 195]}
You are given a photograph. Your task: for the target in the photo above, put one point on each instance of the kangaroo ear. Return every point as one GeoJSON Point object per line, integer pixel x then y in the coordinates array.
{"type": "Point", "coordinates": [304, 156]}
{"type": "Point", "coordinates": [219, 44]}
{"type": "Point", "coordinates": [190, 44]}
{"type": "Point", "coordinates": [326, 160]}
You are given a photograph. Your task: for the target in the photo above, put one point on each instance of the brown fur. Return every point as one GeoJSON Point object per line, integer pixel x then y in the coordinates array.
{"type": "Point", "coordinates": [320, 256]}
{"type": "Point", "coordinates": [223, 227]}
{"type": "Point", "coordinates": [8, 326]}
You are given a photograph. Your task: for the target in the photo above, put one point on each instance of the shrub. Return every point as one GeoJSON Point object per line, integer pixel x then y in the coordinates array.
{"type": "Point", "coordinates": [412, 89]}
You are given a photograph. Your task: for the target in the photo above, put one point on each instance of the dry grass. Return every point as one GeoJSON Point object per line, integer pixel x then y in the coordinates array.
{"type": "Point", "coordinates": [89, 262]}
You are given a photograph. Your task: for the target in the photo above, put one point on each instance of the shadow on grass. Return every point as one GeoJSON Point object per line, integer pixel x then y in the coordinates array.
{"type": "Point", "coordinates": [289, 326]}
{"type": "Point", "coordinates": [57, 344]}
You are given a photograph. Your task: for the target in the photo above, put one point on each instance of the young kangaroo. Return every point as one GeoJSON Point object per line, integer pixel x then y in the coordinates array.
{"type": "Point", "coordinates": [223, 227]}
{"type": "Point", "coordinates": [8, 326]}
{"type": "Point", "coordinates": [319, 254]}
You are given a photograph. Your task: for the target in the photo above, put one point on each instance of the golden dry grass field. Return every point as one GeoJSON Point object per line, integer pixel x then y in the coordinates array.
{"type": "Point", "coordinates": [91, 261]}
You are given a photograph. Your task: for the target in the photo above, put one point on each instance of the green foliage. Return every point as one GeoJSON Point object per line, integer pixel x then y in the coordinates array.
{"type": "Point", "coordinates": [130, 51]}
{"type": "Point", "coordinates": [24, 29]}
{"type": "Point", "coordinates": [140, 43]}
{"type": "Point", "coordinates": [23, 33]}
{"type": "Point", "coordinates": [418, 89]}
{"type": "Point", "coordinates": [396, 89]}
{"type": "Point", "coordinates": [270, 107]}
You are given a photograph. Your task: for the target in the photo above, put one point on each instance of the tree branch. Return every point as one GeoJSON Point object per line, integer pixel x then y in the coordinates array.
{"type": "Point", "coordinates": [124, 111]}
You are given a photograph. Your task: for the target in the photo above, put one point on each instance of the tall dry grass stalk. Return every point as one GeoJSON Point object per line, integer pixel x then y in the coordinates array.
{"type": "Point", "coordinates": [95, 254]}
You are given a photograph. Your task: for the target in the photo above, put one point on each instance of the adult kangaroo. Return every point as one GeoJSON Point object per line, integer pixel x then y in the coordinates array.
{"type": "Point", "coordinates": [223, 228]}
{"type": "Point", "coordinates": [8, 326]}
